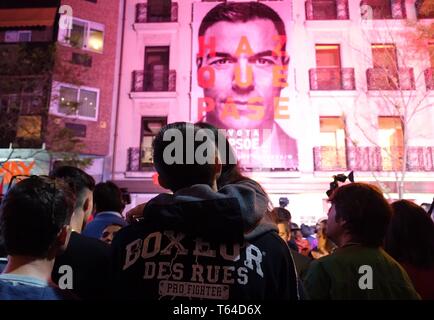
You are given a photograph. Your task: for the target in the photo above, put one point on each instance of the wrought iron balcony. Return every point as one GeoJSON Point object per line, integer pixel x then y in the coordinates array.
{"type": "Point", "coordinates": [327, 10]}
{"type": "Point", "coordinates": [133, 163]}
{"type": "Point", "coordinates": [420, 158]}
{"type": "Point", "coordinates": [429, 78]}
{"type": "Point", "coordinates": [153, 81]}
{"type": "Point", "coordinates": [364, 158]}
{"type": "Point", "coordinates": [383, 79]}
{"type": "Point", "coordinates": [332, 79]}
{"type": "Point", "coordinates": [143, 14]}
{"type": "Point", "coordinates": [329, 159]}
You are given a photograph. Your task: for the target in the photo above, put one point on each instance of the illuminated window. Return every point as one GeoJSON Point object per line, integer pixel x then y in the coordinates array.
{"type": "Point", "coordinates": [384, 75]}
{"type": "Point", "coordinates": [29, 127]}
{"type": "Point", "coordinates": [332, 142]}
{"type": "Point", "coordinates": [150, 128]}
{"type": "Point", "coordinates": [391, 141]}
{"type": "Point", "coordinates": [81, 102]}
{"type": "Point", "coordinates": [431, 53]}
{"type": "Point", "coordinates": [86, 35]}
{"type": "Point", "coordinates": [328, 62]}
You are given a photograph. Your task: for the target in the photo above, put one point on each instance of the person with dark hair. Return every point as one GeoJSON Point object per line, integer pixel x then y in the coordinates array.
{"type": "Point", "coordinates": [324, 245]}
{"type": "Point", "coordinates": [230, 172]}
{"type": "Point", "coordinates": [107, 198]}
{"type": "Point", "coordinates": [34, 224]}
{"type": "Point", "coordinates": [89, 258]}
{"type": "Point", "coordinates": [198, 243]}
{"type": "Point", "coordinates": [359, 268]}
{"type": "Point", "coordinates": [82, 185]}
{"type": "Point", "coordinates": [282, 218]}
{"type": "Point", "coordinates": [244, 92]}
{"type": "Point", "coordinates": [109, 232]}
{"type": "Point", "coordinates": [410, 240]}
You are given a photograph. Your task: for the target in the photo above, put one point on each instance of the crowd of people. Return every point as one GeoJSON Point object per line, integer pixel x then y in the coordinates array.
{"type": "Point", "coordinates": [214, 237]}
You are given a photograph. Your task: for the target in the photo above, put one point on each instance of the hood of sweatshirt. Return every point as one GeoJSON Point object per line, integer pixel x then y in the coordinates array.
{"type": "Point", "coordinates": [255, 220]}
{"type": "Point", "coordinates": [233, 211]}
{"type": "Point", "coordinates": [198, 211]}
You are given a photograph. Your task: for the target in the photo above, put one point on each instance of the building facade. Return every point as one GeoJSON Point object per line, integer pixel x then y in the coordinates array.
{"type": "Point", "coordinates": [360, 99]}
{"type": "Point", "coordinates": [63, 103]}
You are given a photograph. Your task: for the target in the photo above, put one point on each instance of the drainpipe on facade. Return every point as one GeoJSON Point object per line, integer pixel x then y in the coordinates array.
{"type": "Point", "coordinates": [109, 161]}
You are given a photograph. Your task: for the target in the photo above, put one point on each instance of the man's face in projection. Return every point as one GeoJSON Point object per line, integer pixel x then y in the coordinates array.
{"type": "Point", "coordinates": [243, 90]}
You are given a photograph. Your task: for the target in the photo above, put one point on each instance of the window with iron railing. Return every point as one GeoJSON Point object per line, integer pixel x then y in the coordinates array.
{"type": "Point", "coordinates": [332, 79]}
{"type": "Point", "coordinates": [150, 127]}
{"type": "Point", "coordinates": [331, 154]}
{"type": "Point", "coordinates": [391, 141]}
{"type": "Point", "coordinates": [386, 74]}
{"type": "Point", "coordinates": [328, 75]}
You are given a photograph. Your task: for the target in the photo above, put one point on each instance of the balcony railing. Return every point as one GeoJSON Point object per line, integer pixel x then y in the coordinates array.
{"type": "Point", "coordinates": [429, 78]}
{"type": "Point", "coordinates": [332, 79]}
{"type": "Point", "coordinates": [373, 159]}
{"type": "Point", "coordinates": [329, 159]}
{"type": "Point", "coordinates": [376, 159]}
{"type": "Point", "coordinates": [143, 16]}
{"type": "Point", "coordinates": [394, 9]}
{"type": "Point", "coordinates": [383, 79]}
{"type": "Point", "coordinates": [133, 163]}
{"type": "Point", "coordinates": [327, 10]}
{"type": "Point", "coordinates": [153, 81]}
{"type": "Point", "coordinates": [420, 158]}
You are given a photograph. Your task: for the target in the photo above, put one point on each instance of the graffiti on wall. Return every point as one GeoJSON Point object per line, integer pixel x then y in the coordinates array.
{"type": "Point", "coordinates": [13, 168]}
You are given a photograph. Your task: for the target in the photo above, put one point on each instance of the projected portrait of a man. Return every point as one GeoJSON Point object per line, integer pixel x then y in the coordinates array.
{"type": "Point", "coordinates": [242, 68]}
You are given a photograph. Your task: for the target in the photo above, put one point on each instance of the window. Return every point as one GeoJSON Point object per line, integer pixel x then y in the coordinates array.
{"type": "Point", "coordinates": [78, 130]}
{"type": "Point", "coordinates": [18, 36]}
{"type": "Point", "coordinates": [150, 128]}
{"type": "Point", "coordinates": [84, 34]}
{"type": "Point", "coordinates": [81, 102]}
{"type": "Point", "coordinates": [328, 55]}
{"type": "Point", "coordinates": [29, 127]}
{"type": "Point", "coordinates": [385, 74]}
{"type": "Point", "coordinates": [381, 9]}
{"type": "Point", "coordinates": [431, 53]}
{"type": "Point", "coordinates": [156, 69]}
{"type": "Point", "coordinates": [425, 9]}
{"type": "Point", "coordinates": [324, 9]}
{"type": "Point", "coordinates": [391, 141]}
{"type": "Point", "coordinates": [332, 142]}
{"type": "Point", "coordinates": [24, 107]}
{"type": "Point", "coordinates": [81, 59]}
{"type": "Point", "coordinates": [159, 10]}
{"type": "Point", "coordinates": [328, 62]}
{"type": "Point", "coordinates": [384, 56]}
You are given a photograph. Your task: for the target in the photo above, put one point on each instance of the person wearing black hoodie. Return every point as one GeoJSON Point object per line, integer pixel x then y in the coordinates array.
{"type": "Point", "coordinates": [198, 243]}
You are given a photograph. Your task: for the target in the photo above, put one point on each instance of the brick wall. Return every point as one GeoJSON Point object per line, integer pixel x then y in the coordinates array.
{"type": "Point", "coordinates": [100, 75]}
